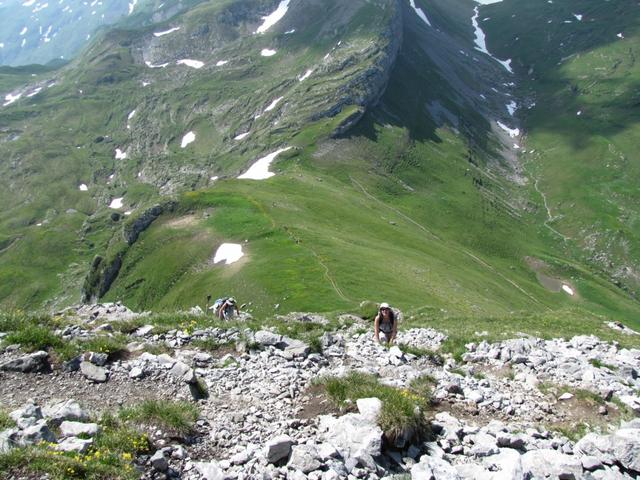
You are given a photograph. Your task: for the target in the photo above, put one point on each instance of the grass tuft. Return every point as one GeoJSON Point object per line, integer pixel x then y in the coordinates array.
{"type": "Point", "coordinates": [175, 416]}
{"type": "Point", "coordinates": [402, 412]}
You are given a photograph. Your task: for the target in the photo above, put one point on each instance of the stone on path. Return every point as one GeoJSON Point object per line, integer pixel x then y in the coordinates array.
{"type": "Point", "coordinates": [352, 435]}
{"type": "Point", "coordinates": [93, 372]}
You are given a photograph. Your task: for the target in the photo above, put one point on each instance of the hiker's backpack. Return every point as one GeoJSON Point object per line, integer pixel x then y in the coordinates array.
{"type": "Point", "coordinates": [218, 303]}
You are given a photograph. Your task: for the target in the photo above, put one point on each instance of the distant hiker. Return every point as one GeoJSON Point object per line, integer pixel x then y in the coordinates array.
{"type": "Point", "coordinates": [385, 326]}
{"type": "Point", "coordinates": [226, 308]}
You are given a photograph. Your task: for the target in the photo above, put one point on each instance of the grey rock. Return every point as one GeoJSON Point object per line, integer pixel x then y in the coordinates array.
{"type": "Point", "coordinates": [591, 463]}
{"type": "Point", "coordinates": [369, 408]}
{"type": "Point", "coordinates": [433, 468]}
{"type": "Point", "coordinates": [484, 445]}
{"type": "Point", "coordinates": [33, 363]}
{"type": "Point", "coordinates": [304, 458]}
{"type": "Point", "coordinates": [278, 448]}
{"type": "Point", "coordinates": [159, 461]}
{"type": "Point", "coordinates": [143, 331]}
{"type": "Point", "coordinates": [240, 458]}
{"type": "Point", "coordinates": [296, 348]}
{"type": "Point", "coordinates": [136, 372]}
{"type": "Point", "coordinates": [8, 439]}
{"type": "Point", "coordinates": [550, 463]}
{"type": "Point", "coordinates": [352, 435]}
{"type": "Point", "coordinates": [99, 359]}
{"type": "Point", "coordinates": [626, 448]}
{"type": "Point", "coordinates": [184, 372]}
{"type": "Point", "coordinates": [210, 470]}
{"type": "Point", "coordinates": [74, 429]}
{"type": "Point", "coordinates": [67, 410]}
{"type": "Point", "coordinates": [93, 372]}
{"type": "Point", "coordinates": [266, 338]}
{"type": "Point", "coordinates": [73, 444]}
{"type": "Point", "coordinates": [72, 365]}
{"type": "Point", "coordinates": [37, 433]}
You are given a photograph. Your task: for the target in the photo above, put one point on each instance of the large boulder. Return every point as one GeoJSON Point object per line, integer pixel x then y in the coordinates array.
{"type": "Point", "coordinates": [267, 338]}
{"type": "Point", "coordinates": [70, 410]}
{"type": "Point", "coordinates": [433, 468]}
{"type": "Point", "coordinates": [75, 429]}
{"type": "Point", "coordinates": [37, 433]}
{"type": "Point", "coordinates": [34, 363]}
{"type": "Point", "coordinates": [304, 458]}
{"type": "Point", "coordinates": [369, 408]}
{"type": "Point", "coordinates": [626, 448]}
{"type": "Point", "coordinates": [210, 470]}
{"type": "Point", "coordinates": [547, 463]}
{"type": "Point", "coordinates": [278, 448]}
{"type": "Point", "coordinates": [352, 435]}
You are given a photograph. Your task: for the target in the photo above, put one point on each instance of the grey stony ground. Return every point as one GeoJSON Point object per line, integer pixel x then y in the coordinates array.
{"type": "Point", "coordinates": [494, 413]}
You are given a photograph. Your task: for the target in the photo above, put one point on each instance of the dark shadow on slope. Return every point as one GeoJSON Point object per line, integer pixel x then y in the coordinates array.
{"type": "Point", "coordinates": [605, 92]}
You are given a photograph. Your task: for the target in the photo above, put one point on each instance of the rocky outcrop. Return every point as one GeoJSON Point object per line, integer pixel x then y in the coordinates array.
{"type": "Point", "coordinates": [104, 271]}
{"type": "Point", "coordinates": [133, 229]}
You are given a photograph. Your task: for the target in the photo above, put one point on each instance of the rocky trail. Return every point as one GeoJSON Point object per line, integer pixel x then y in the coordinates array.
{"type": "Point", "coordinates": [507, 410]}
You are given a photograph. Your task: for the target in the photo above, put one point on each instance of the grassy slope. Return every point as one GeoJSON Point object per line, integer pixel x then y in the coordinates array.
{"type": "Point", "coordinates": [407, 209]}
{"type": "Point", "coordinates": [337, 226]}
{"type": "Point", "coordinates": [586, 165]}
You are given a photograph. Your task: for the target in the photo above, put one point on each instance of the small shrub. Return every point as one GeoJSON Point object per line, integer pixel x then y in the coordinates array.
{"type": "Point", "coordinates": [599, 364]}
{"type": "Point", "coordinates": [6, 421]}
{"type": "Point", "coordinates": [209, 345]}
{"type": "Point", "coordinates": [110, 458]}
{"type": "Point", "coordinates": [176, 416]}
{"type": "Point", "coordinates": [113, 346]}
{"type": "Point", "coordinates": [432, 355]}
{"type": "Point", "coordinates": [32, 337]}
{"type": "Point", "coordinates": [402, 409]}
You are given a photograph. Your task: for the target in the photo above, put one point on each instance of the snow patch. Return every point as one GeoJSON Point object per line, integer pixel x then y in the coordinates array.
{"type": "Point", "coordinates": [187, 139]}
{"type": "Point", "coordinates": [260, 169]}
{"type": "Point", "coordinates": [419, 12]}
{"type": "Point", "coordinates": [289, 32]}
{"type": "Point", "coordinates": [266, 52]}
{"type": "Point", "coordinates": [166, 32]}
{"type": "Point", "coordinates": [221, 63]}
{"type": "Point", "coordinates": [273, 104]}
{"type": "Point", "coordinates": [578, 16]}
{"type": "Point", "coordinates": [83, 187]}
{"type": "Point", "coordinates": [306, 75]}
{"type": "Point", "coordinates": [513, 132]}
{"type": "Point", "coordinates": [197, 64]}
{"type": "Point", "coordinates": [35, 92]}
{"type": "Point", "coordinates": [273, 18]}
{"type": "Point", "coordinates": [568, 290]}
{"type": "Point", "coordinates": [132, 5]}
{"type": "Point", "coordinates": [512, 107]}
{"type": "Point", "coordinates": [241, 136]}
{"type": "Point", "coordinates": [481, 42]}
{"type": "Point", "coordinates": [120, 155]}
{"type": "Point", "coordinates": [228, 253]}
{"type": "Point", "coordinates": [620, 35]}
{"type": "Point", "coordinates": [161, 65]}
{"type": "Point", "coordinates": [116, 203]}
{"type": "Point", "coordinates": [11, 98]}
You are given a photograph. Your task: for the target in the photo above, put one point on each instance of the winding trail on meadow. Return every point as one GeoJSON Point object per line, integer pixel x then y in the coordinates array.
{"type": "Point", "coordinates": [459, 249]}
{"type": "Point", "coordinates": [550, 217]}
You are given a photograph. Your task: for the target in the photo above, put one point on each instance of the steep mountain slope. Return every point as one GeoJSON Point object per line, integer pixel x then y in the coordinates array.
{"type": "Point", "coordinates": [40, 32]}
{"type": "Point", "coordinates": [580, 81]}
{"type": "Point", "coordinates": [419, 196]}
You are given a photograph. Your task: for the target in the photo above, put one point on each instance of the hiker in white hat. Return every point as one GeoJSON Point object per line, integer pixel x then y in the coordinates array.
{"type": "Point", "coordinates": [385, 326]}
